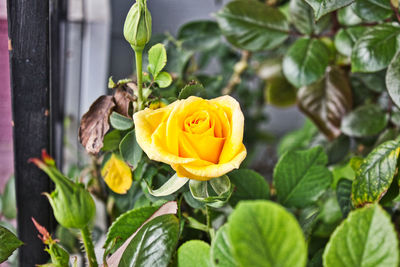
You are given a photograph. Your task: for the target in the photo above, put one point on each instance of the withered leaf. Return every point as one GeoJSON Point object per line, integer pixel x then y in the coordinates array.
{"type": "Point", "coordinates": [123, 98]}
{"type": "Point", "coordinates": [326, 101]}
{"type": "Point", "coordinates": [95, 124]}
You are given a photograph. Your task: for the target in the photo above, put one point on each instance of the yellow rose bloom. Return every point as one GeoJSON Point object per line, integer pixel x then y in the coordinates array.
{"type": "Point", "coordinates": [201, 139]}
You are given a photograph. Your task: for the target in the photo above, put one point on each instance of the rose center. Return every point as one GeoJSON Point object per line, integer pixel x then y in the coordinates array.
{"type": "Point", "coordinates": [197, 123]}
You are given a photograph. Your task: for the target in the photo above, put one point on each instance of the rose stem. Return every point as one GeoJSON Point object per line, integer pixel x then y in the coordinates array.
{"type": "Point", "coordinates": [87, 241]}
{"type": "Point", "coordinates": [139, 56]}
{"type": "Point", "coordinates": [209, 226]}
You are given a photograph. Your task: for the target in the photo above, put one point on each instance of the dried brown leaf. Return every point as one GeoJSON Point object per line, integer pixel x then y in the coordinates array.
{"type": "Point", "coordinates": [95, 124]}
{"type": "Point", "coordinates": [123, 98]}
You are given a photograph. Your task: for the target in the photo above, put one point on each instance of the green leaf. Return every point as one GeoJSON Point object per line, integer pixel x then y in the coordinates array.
{"type": "Point", "coordinates": [130, 149]}
{"type": "Point", "coordinates": [111, 140]}
{"type": "Point", "coordinates": [347, 37]}
{"type": "Point", "coordinates": [376, 48]}
{"type": "Point", "coordinates": [221, 249]}
{"type": "Point", "coordinates": [300, 177]}
{"type": "Point", "coordinates": [375, 174]}
{"type": "Point", "coordinates": [252, 25]}
{"type": "Point", "coordinates": [163, 79]}
{"type": "Point", "coordinates": [299, 139]}
{"type": "Point", "coordinates": [9, 242]}
{"type": "Point", "coordinates": [279, 92]}
{"type": "Point", "coordinates": [322, 7]}
{"type": "Point", "coordinates": [249, 185]}
{"type": "Point", "coordinates": [393, 79]}
{"type": "Point", "coordinates": [120, 122]}
{"type": "Point", "coordinates": [263, 233]}
{"type": "Point", "coordinates": [373, 10]}
{"type": "Point", "coordinates": [9, 200]}
{"type": "Point", "coordinates": [327, 101]}
{"type": "Point", "coordinates": [347, 17]}
{"type": "Point", "coordinates": [200, 35]}
{"type": "Point", "coordinates": [194, 253]}
{"type": "Point", "coordinates": [171, 186]}
{"type": "Point", "coordinates": [366, 238]}
{"type": "Point", "coordinates": [301, 16]}
{"type": "Point", "coordinates": [196, 89]}
{"type": "Point", "coordinates": [306, 61]}
{"type": "Point", "coordinates": [222, 191]}
{"type": "Point", "coordinates": [154, 244]}
{"type": "Point", "coordinates": [367, 120]}
{"type": "Point", "coordinates": [374, 82]}
{"type": "Point", "coordinates": [157, 59]}
{"type": "Point", "coordinates": [126, 224]}
{"type": "Point", "coordinates": [343, 194]}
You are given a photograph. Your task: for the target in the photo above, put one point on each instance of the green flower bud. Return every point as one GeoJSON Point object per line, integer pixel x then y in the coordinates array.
{"type": "Point", "coordinates": [72, 204]}
{"type": "Point", "coordinates": [137, 28]}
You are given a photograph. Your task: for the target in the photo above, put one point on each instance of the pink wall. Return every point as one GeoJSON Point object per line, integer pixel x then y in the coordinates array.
{"type": "Point", "coordinates": [6, 147]}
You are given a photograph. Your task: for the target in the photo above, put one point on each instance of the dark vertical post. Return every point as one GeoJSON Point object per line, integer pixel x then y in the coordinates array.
{"type": "Point", "coordinates": [28, 23]}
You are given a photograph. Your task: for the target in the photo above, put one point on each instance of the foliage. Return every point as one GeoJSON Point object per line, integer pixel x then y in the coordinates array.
{"type": "Point", "coordinates": [332, 196]}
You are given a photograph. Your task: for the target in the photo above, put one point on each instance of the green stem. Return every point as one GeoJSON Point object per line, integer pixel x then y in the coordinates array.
{"type": "Point", "coordinates": [139, 73]}
{"type": "Point", "coordinates": [89, 248]}
{"type": "Point", "coordinates": [211, 230]}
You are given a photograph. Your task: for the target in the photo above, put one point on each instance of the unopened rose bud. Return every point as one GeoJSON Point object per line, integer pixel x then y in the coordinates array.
{"type": "Point", "coordinates": [72, 204]}
{"type": "Point", "coordinates": [137, 28]}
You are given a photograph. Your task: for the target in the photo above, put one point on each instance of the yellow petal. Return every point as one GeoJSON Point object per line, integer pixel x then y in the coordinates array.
{"type": "Point", "coordinates": [234, 142]}
{"type": "Point", "coordinates": [198, 171]}
{"type": "Point", "coordinates": [207, 147]}
{"type": "Point", "coordinates": [117, 175]}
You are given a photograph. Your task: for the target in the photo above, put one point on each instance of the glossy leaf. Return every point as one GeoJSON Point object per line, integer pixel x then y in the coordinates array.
{"type": "Point", "coordinates": [194, 253]}
{"type": "Point", "coordinates": [130, 149]}
{"type": "Point", "coordinates": [9, 242]}
{"type": "Point", "coordinates": [367, 120]}
{"type": "Point", "coordinates": [327, 101]}
{"type": "Point", "coordinates": [347, 17]}
{"type": "Point", "coordinates": [117, 175]}
{"type": "Point", "coordinates": [322, 7]}
{"type": "Point", "coordinates": [393, 79]}
{"type": "Point", "coordinates": [373, 10]}
{"type": "Point", "coordinates": [221, 186]}
{"type": "Point", "coordinates": [196, 89]}
{"type": "Point", "coordinates": [9, 200]}
{"type": "Point", "coordinates": [154, 244]}
{"type": "Point", "coordinates": [163, 79]}
{"type": "Point", "coordinates": [171, 186]}
{"type": "Point", "coordinates": [126, 224]}
{"type": "Point", "coordinates": [376, 48]}
{"type": "Point", "coordinates": [306, 61]}
{"type": "Point", "coordinates": [170, 207]}
{"type": "Point", "coordinates": [271, 237]}
{"type": "Point", "coordinates": [199, 35]}
{"type": "Point", "coordinates": [343, 194]}
{"type": "Point", "coordinates": [376, 174]}
{"type": "Point", "coordinates": [347, 37]}
{"type": "Point", "coordinates": [157, 59]}
{"type": "Point", "coordinates": [120, 122]}
{"type": "Point", "coordinates": [252, 25]}
{"type": "Point", "coordinates": [375, 82]}
{"type": "Point", "coordinates": [366, 238]}
{"type": "Point", "coordinates": [249, 185]}
{"type": "Point", "coordinates": [221, 249]}
{"type": "Point", "coordinates": [302, 18]}
{"type": "Point", "coordinates": [300, 177]}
